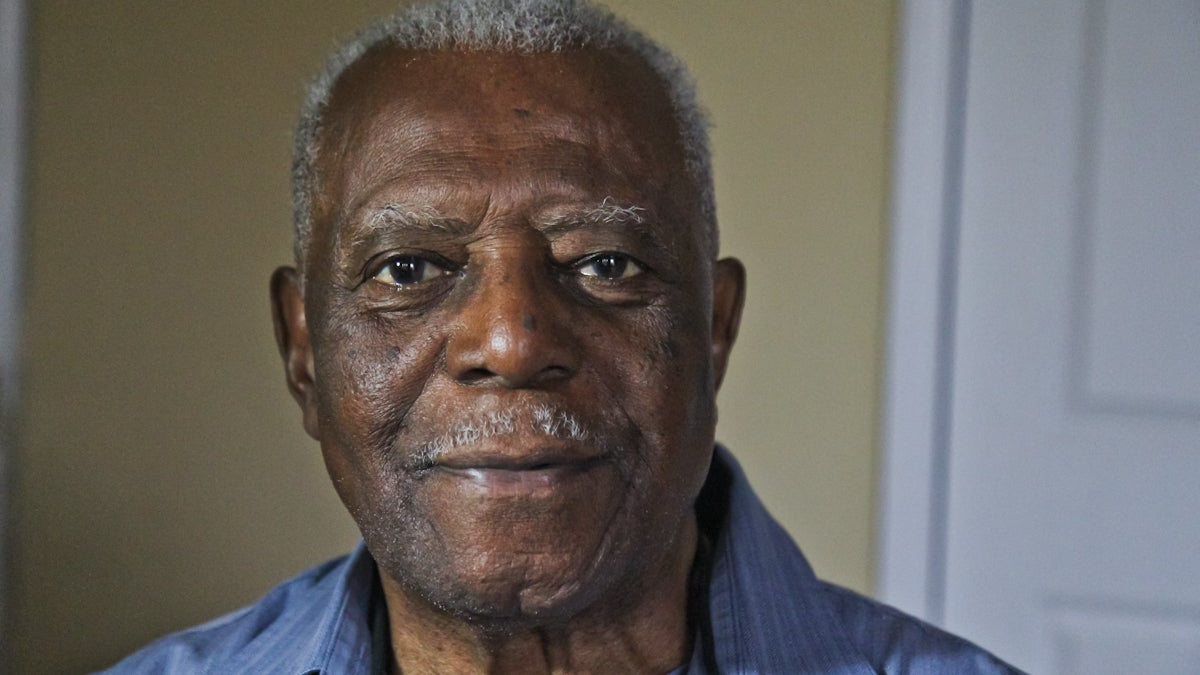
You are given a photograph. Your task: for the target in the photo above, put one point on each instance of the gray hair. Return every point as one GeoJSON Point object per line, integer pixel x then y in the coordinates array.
{"type": "Point", "coordinates": [528, 26]}
{"type": "Point", "coordinates": [544, 420]}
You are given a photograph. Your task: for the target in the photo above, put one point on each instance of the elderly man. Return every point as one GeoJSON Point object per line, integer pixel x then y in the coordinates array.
{"type": "Point", "coordinates": [506, 327]}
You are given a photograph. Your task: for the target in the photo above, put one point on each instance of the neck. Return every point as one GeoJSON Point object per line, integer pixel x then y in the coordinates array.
{"type": "Point", "coordinates": [649, 634]}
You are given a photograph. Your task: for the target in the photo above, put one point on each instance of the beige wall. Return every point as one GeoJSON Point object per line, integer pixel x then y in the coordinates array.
{"type": "Point", "coordinates": [163, 476]}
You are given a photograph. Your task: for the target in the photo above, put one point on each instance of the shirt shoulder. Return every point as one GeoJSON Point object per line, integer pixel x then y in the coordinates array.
{"type": "Point", "coordinates": [894, 642]}
{"type": "Point", "coordinates": [292, 629]}
{"type": "Point", "coordinates": [770, 613]}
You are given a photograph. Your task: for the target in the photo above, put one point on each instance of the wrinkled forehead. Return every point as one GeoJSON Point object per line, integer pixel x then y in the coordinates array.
{"type": "Point", "coordinates": [393, 104]}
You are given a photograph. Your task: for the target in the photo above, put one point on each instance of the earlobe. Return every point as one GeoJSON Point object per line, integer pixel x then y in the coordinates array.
{"type": "Point", "coordinates": [729, 295]}
{"type": "Point", "coordinates": [291, 336]}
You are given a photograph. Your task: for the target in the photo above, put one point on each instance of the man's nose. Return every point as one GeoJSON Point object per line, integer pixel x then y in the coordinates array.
{"type": "Point", "coordinates": [513, 330]}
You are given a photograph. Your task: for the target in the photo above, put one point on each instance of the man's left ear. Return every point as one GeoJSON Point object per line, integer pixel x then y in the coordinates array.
{"type": "Point", "coordinates": [729, 294]}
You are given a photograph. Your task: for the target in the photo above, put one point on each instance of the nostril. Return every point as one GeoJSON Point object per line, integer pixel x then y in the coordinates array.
{"type": "Point", "coordinates": [476, 375]}
{"type": "Point", "coordinates": [551, 373]}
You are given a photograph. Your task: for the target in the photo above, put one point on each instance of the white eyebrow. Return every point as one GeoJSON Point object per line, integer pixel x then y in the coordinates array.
{"type": "Point", "coordinates": [607, 212]}
{"type": "Point", "coordinates": [390, 216]}
{"type": "Point", "coordinates": [394, 214]}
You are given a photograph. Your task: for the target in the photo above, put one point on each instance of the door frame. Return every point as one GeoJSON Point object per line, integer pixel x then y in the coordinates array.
{"type": "Point", "coordinates": [12, 200]}
{"type": "Point", "coordinates": [928, 128]}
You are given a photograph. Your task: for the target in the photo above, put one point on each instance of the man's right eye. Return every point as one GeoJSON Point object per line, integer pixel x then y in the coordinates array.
{"type": "Point", "coordinates": [408, 270]}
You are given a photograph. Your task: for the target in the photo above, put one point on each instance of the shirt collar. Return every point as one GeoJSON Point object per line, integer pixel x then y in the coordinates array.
{"type": "Point", "coordinates": [341, 642]}
{"type": "Point", "coordinates": [768, 614]}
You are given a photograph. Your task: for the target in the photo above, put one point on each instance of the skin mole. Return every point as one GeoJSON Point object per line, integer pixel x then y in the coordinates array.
{"type": "Point", "coordinates": [530, 323]}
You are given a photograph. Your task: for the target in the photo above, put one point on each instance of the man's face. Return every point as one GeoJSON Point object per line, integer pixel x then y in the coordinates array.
{"type": "Point", "coordinates": [507, 343]}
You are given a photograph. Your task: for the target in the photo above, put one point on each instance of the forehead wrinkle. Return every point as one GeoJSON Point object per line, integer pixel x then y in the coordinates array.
{"type": "Point", "coordinates": [402, 138]}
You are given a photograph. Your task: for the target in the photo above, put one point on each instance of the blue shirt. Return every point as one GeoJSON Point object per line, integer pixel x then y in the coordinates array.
{"type": "Point", "coordinates": [768, 613]}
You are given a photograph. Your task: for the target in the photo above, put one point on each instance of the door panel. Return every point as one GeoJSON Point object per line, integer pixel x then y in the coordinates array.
{"type": "Point", "coordinates": [1073, 537]}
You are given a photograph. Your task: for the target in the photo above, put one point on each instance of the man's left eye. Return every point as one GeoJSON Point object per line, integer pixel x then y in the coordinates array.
{"type": "Point", "coordinates": [407, 270]}
{"type": "Point", "coordinates": [609, 266]}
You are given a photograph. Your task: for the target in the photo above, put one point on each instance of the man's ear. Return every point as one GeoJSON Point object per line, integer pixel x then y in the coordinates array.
{"type": "Point", "coordinates": [291, 334]}
{"type": "Point", "coordinates": [729, 294]}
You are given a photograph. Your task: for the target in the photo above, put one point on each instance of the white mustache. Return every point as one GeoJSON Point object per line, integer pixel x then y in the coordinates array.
{"type": "Point", "coordinates": [547, 420]}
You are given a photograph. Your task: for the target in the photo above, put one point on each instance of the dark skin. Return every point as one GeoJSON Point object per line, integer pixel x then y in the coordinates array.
{"type": "Point", "coordinates": [494, 235]}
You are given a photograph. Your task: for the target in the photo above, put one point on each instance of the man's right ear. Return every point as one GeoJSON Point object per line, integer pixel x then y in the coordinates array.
{"type": "Point", "coordinates": [291, 334]}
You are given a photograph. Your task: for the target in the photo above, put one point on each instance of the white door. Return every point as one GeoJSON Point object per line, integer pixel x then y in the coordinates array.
{"type": "Point", "coordinates": [1058, 515]}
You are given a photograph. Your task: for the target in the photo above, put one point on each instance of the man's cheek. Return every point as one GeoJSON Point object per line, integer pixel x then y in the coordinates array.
{"type": "Point", "coordinates": [372, 387]}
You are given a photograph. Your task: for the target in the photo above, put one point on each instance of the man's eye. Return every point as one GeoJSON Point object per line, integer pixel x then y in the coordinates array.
{"type": "Point", "coordinates": [609, 266]}
{"type": "Point", "coordinates": [407, 270]}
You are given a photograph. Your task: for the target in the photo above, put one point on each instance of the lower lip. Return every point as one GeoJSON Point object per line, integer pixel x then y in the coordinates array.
{"type": "Point", "coordinates": [498, 482]}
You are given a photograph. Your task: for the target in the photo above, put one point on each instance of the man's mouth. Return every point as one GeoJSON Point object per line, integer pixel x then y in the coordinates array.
{"type": "Point", "coordinates": [537, 478]}
{"type": "Point", "coordinates": [510, 468]}
{"type": "Point", "coordinates": [516, 454]}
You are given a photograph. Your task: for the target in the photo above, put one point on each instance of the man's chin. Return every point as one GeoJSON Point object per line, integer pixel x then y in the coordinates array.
{"type": "Point", "coordinates": [510, 548]}
{"type": "Point", "coordinates": [496, 519]}
{"type": "Point", "coordinates": [505, 550]}
{"type": "Point", "coordinates": [509, 599]}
